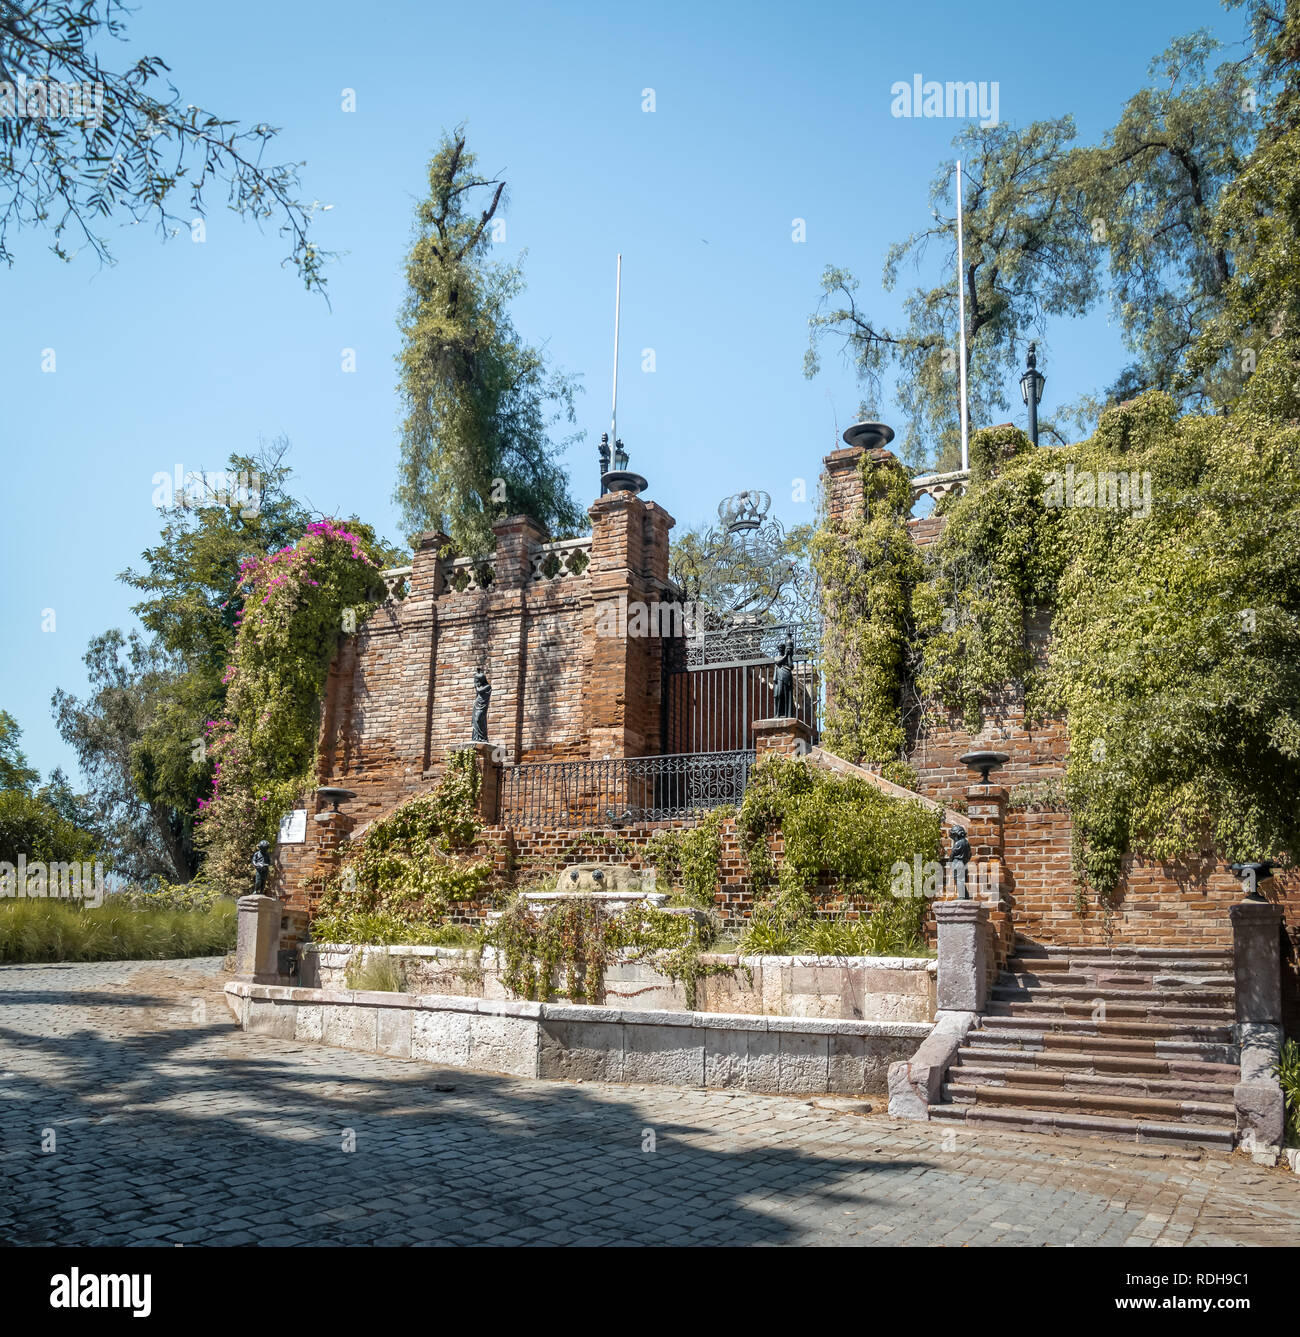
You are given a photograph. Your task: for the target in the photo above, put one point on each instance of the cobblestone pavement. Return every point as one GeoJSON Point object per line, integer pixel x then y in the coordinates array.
{"type": "Point", "coordinates": [165, 1124]}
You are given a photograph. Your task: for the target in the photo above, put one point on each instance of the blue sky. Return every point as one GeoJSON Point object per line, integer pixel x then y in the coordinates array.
{"type": "Point", "coordinates": [764, 113]}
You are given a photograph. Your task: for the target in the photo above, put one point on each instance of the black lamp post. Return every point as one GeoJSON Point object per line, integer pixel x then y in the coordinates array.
{"type": "Point", "coordinates": [620, 456]}
{"type": "Point", "coordinates": [1031, 391]}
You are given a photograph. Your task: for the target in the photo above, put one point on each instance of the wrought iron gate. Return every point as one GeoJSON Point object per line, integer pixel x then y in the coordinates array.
{"type": "Point", "coordinates": [712, 701]}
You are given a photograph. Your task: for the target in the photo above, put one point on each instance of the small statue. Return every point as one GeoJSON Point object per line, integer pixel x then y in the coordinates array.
{"type": "Point", "coordinates": [960, 858]}
{"type": "Point", "coordinates": [261, 867]}
{"type": "Point", "coordinates": [482, 695]}
{"type": "Point", "coordinates": [783, 682]}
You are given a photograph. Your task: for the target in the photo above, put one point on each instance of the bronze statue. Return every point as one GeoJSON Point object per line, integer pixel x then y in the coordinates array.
{"type": "Point", "coordinates": [261, 868]}
{"type": "Point", "coordinates": [482, 695]}
{"type": "Point", "coordinates": [960, 858]}
{"type": "Point", "coordinates": [783, 681]}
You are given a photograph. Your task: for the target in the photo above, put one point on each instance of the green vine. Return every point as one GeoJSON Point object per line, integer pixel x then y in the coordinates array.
{"type": "Point", "coordinates": [406, 870]}
{"type": "Point", "coordinates": [867, 566]}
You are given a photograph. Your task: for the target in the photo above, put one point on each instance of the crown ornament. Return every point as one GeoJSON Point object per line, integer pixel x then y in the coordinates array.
{"type": "Point", "coordinates": [744, 511]}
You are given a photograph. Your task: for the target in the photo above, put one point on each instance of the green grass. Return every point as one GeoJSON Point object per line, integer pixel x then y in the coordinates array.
{"type": "Point", "coordinates": [880, 934]}
{"type": "Point", "coordinates": [53, 930]}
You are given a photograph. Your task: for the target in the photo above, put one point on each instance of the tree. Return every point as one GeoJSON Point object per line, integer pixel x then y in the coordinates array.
{"type": "Point", "coordinates": [1028, 255]}
{"type": "Point", "coordinates": [1257, 221]}
{"type": "Point", "coordinates": [479, 401]}
{"type": "Point", "coordinates": [724, 579]}
{"type": "Point", "coordinates": [46, 824]}
{"type": "Point", "coordinates": [80, 143]}
{"type": "Point", "coordinates": [1149, 192]}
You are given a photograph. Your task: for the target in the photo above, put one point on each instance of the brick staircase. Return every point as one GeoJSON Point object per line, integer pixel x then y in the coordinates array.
{"type": "Point", "coordinates": [1158, 1065]}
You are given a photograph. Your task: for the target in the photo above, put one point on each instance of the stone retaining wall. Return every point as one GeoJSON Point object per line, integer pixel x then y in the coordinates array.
{"type": "Point", "coordinates": [784, 1055]}
{"type": "Point", "coordinates": [852, 988]}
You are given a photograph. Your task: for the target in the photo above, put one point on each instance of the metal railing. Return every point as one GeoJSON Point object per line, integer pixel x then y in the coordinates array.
{"type": "Point", "coordinates": [614, 790]}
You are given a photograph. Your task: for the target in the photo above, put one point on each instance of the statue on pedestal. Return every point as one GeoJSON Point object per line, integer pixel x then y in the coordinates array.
{"type": "Point", "coordinates": [261, 867]}
{"type": "Point", "coordinates": [960, 858]}
{"type": "Point", "coordinates": [482, 695]}
{"type": "Point", "coordinates": [783, 681]}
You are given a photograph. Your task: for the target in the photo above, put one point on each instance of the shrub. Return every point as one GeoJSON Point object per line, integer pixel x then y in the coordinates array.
{"type": "Point", "coordinates": [1287, 1071]}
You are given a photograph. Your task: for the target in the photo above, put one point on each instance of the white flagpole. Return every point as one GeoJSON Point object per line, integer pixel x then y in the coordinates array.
{"type": "Point", "coordinates": [961, 332]}
{"type": "Point", "coordinates": [618, 293]}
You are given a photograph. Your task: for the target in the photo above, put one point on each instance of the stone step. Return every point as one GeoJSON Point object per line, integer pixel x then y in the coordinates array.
{"type": "Point", "coordinates": [1136, 986]}
{"type": "Point", "coordinates": [1036, 1005]}
{"type": "Point", "coordinates": [1129, 967]}
{"type": "Point", "coordinates": [1142, 1086]}
{"type": "Point", "coordinates": [1101, 1063]}
{"type": "Point", "coordinates": [1024, 949]}
{"type": "Point", "coordinates": [1121, 1105]}
{"type": "Point", "coordinates": [1218, 1136]}
{"type": "Point", "coordinates": [1029, 1040]}
{"type": "Point", "coordinates": [1208, 1033]}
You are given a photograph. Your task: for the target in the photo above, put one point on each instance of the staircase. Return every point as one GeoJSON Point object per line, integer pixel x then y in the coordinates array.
{"type": "Point", "coordinates": [1128, 1043]}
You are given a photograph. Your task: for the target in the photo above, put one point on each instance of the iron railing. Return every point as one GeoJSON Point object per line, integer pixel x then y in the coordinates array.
{"type": "Point", "coordinates": [596, 793]}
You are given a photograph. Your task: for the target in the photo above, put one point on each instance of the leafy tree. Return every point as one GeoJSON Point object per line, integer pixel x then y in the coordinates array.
{"type": "Point", "coordinates": [1149, 192]}
{"type": "Point", "coordinates": [74, 166]}
{"type": "Point", "coordinates": [1028, 255]}
{"type": "Point", "coordinates": [1257, 221]}
{"type": "Point", "coordinates": [49, 823]}
{"type": "Point", "coordinates": [15, 773]}
{"type": "Point", "coordinates": [713, 571]}
{"type": "Point", "coordinates": [479, 401]}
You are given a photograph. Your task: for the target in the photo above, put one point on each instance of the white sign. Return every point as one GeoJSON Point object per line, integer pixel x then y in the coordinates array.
{"type": "Point", "coordinates": [293, 827]}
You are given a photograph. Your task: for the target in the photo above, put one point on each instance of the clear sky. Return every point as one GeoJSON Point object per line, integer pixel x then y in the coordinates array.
{"type": "Point", "coordinates": [764, 113]}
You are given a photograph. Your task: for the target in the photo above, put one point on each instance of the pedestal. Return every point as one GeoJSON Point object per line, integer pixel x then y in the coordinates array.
{"type": "Point", "coordinates": [489, 778]}
{"type": "Point", "coordinates": [1257, 967]}
{"type": "Point", "coordinates": [257, 942]}
{"type": "Point", "coordinates": [963, 955]}
{"type": "Point", "coordinates": [784, 735]}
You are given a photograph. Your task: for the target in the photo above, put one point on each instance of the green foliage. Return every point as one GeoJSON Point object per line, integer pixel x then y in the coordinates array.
{"type": "Point", "coordinates": [32, 824]}
{"type": "Point", "coordinates": [15, 773]}
{"type": "Point", "coordinates": [1045, 794]}
{"type": "Point", "coordinates": [50, 930]}
{"type": "Point", "coordinates": [720, 578]}
{"type": "Point", "coordinates": [130, 155]}
{"type": "Point", "coordinates": [301, 601]}
{"type": "Point", "coordinates": [690, 858]}
{"type": "Point", "coordinates": [475, 440]}
{"type": "Point", "coordinates": [1287, 1072]}
{"type": "Point", "coordinates": [344, 923]}
{"type": "Point", "coordinates": [895, 927]}
{"type": "Point", "coordinates": [1175, 647]}
{"type": "Point", "coordinates": [840, 830]}
{"type": "Point", "coordinates": [1027, 256]}
{"type": "Point", "coordinates": [376, 971]}
{"type": "Point", "coordinates": [405, 871]}
{"type": "Point", "coordinates": [867, 566]}
{"type": "Point", "coordinates": [556, 951]}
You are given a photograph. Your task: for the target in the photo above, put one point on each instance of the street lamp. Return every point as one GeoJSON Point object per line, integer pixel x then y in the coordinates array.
{"type": "Point", "coordinates": [1031, 391]}
{"type": "Point", "coordinates": [620, 456]}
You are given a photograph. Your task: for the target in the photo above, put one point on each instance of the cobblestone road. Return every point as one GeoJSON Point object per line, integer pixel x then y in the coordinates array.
{"type": "Point", "coordinates": [133, 1111]}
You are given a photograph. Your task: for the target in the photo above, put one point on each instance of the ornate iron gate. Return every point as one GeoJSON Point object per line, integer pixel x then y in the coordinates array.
{"type": "Point", "coordinates": [726, 683]}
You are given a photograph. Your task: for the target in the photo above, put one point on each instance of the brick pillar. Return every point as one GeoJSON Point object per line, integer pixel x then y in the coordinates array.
{"type": "Point", "coordinates": [1257, 967]}
{"type": "Point", "coordinates": [257, 942]}
{"type": "Point", "coordinates": [986, 812]}
{"type": "Point", "coordinates": [628, 568]}
{"type": "Point", "coordinates": [428, 567]}
{"type": "Point", "coordinates": [516, 539]}
{"type": "Point", "coordinates": [788, 737]}
{"type": "Point", "coordinates": [331, 828]}
{"type": "Point", "coordinates": [487, 760]}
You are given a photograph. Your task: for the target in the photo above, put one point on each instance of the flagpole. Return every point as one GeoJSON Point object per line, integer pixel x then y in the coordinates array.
{"type": "Point", "coordinates": [961, 332]}
{"type": "Point", "coordinates": [618, 294]}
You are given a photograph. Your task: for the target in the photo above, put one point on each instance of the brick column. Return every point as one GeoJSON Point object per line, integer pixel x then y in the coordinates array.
{"type": "Point", "coordinates": [787, 737]}
{"type": "Point", "coordinates": [516, 539]}
{"type": "Point", "coordinates": [986, 813]}
{"type": "Point", "coordinates": [487, 760]}
{"type": "Point", "coordinates": [331, 828]}
{"type": "Point", "coordinates": [1257, 967]}
{"type": "Point", "coordinates": [428, 568]}
{"type": "Point", "coordinates": [629, 564]}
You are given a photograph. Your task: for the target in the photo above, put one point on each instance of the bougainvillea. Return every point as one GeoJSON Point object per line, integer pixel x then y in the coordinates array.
{"type": "Point", "coordinates": [297, 602]}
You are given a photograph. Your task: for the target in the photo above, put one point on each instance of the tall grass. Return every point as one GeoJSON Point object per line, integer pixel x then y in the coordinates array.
{"type": "Point", "coordinates": [54, 930]}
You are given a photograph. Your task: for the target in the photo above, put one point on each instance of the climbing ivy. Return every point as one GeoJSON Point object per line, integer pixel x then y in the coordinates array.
{"type": "Point", "coordinates": [411, 866]}
{"type": "Point", "coordinates": [1163, 551]}
{"type": "Point", "coordinates": [867, 566]}
{"type": "Point", "coordinates": [297, 602]}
